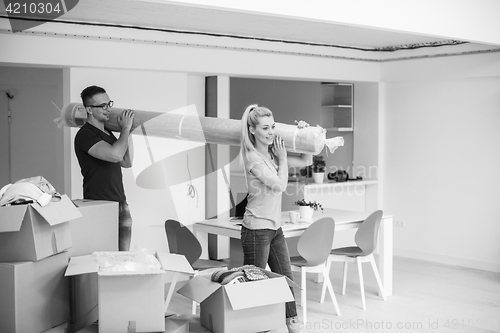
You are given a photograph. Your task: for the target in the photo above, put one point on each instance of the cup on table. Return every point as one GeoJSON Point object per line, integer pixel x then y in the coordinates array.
{"type": "Point", "coordinates": [294, 216]}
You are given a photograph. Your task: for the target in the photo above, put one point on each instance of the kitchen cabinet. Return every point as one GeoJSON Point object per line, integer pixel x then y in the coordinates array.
{"type": "Point", "coordinates": [337, 109]}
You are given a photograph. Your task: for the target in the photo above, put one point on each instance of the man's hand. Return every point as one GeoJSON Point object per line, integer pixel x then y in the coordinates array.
{"type": "Point", "coordinates": [126, 120]}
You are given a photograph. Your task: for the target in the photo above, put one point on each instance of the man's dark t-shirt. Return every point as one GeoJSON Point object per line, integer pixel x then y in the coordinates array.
{"type": "Point", "coordinates": [102, 180]}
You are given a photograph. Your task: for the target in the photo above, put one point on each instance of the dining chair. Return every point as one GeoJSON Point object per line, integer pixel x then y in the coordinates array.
{"type": "Point", "coordinates": [182, 241]}
{"type": "Point", "coordinates": [314, 246]}
{"type": "Point", "coordinates": [366, 238]}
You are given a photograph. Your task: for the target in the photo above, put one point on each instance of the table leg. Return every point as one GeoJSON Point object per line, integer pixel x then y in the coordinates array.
{"type": "Point", "coordinates": [218, 247]}
{"type": "Point", "coordinates": [171, 291]}
{"type": "Point", "coordinates": [235, 253]}
{"type": "Point", "coordinates": [385, 255]}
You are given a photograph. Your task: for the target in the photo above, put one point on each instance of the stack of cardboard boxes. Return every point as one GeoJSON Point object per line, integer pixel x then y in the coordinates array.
{"type": "Point", "coordinates": [34, 295]}
{"type": "Point", "coordinates": [36, 244]}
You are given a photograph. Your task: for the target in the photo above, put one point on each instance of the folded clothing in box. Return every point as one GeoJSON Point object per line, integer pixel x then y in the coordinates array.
{"type": "Point", "coordinates": [253, 306]}
{"type": "Point", "coordinates": [31, 232]}
{"type": "Point", "coordinates": [239, 274]}
{"type": "Point", "coordinates": [28, 190]}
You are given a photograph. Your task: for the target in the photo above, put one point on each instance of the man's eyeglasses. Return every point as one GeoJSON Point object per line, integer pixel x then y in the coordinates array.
{"type": "Point", "coordinates": [104, 106]}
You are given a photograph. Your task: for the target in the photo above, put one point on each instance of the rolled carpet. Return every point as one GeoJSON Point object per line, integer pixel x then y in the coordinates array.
{"type": "Point", "coordinates": [310, 140]}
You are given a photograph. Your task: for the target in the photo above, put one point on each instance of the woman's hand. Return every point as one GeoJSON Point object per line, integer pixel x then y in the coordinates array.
{"type": "Point", "coordinates": [301, 124]}
{"type": "Point", "coordinates": [279, 149]}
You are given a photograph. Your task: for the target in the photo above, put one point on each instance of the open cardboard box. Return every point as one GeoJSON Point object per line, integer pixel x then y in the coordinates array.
{"type": "Point", "coordinates": [175, 324]}
{"type": "Point", "coordinates": [130, 301]}
{"type": "Point", "coordinates": [31, 232]}
{"type": "Point", "coordinates": [244, 307]}
{"type": "Point", "coordinates": [96, 230]}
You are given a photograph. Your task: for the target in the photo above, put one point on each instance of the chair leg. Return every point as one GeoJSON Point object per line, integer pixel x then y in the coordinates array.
{"type": "Point", "coordinates": [377, 277]}
{"type": "Point", "coordinates": [323, 288]}
{"type": "Point", "coordinates": [361, 284]}
{"type": "Point", "coordinates": [193, 304]}
{"type": "Point", "coordinates": [328, 283]}
{"type": "Point", "coordinates": [344, 279]}
{"type": "Point", "coordinates": [303, 294]}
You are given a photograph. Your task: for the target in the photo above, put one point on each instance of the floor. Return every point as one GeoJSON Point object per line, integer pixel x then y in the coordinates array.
{"type": "Point", "coordinates": [427, 297]}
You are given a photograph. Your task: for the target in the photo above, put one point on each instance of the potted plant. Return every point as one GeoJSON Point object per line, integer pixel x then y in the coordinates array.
{"type": "Point", "coordinates": [318, 168]}
{"type": "Point", "coordinates": [307, 208]}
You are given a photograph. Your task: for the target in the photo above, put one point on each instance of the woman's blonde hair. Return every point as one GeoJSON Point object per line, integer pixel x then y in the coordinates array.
{"type": "Point", "coordinates": [249, 119]}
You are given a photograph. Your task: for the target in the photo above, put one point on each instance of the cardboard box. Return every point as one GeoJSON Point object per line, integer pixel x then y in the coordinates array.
{"type": "Point", "coordinates": [245, 307]}
{"type": "Point", "coordinates": [193, 323]}
{"type": "Point", "coordinates": [32, 232]}
{"type": "Point", "coordinates": [175, 324]}
{"type": "Point", "coordinates": [179, 324]}
{"type": "Point", "coordinates": [96, 229]}
{"type": "Point", "coordinates": [83, 302]}
{"type": "Point", "coordinates": [130, 301]}
{"type": "Point", "coordinates": [34, 295]}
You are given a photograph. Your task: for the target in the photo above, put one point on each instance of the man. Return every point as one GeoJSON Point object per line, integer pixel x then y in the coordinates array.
{"type": "Point", "coordinates": [101, 156]}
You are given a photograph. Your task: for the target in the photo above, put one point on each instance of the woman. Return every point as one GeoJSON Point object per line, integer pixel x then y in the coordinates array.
{"type": "Point", "coordinates": [266, 168]}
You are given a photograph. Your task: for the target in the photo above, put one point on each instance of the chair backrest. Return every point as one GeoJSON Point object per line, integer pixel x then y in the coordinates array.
{"type": "Point", "coordinates": [182, 241]}
{"type": "Point", "coordinates": [315, 243]}
{"type": "Point", "coordinates": [367, 235]}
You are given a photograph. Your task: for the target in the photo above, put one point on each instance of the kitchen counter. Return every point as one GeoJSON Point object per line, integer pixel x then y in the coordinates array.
{"type": "Point", "coordinates": [349, 195]}
{"type": "Point", "coordinates": [353, 195]}
{"type": "Point", "coordinates": [310, 181]}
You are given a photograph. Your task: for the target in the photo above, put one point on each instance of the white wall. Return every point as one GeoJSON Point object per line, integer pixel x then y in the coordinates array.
{"type": "Point", "coordinates": [35, 141]}
{"type": "Point", "coordinates": [441, 158]}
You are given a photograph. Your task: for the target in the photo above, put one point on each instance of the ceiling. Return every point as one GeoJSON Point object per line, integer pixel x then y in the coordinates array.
{"type": "Point", "coordinates": [223, 22]}
{"type": "Point", "coordinates": [222, 26]}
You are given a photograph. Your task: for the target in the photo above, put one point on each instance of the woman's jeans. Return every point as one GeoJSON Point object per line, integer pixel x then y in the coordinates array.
{"type": "Point", "coordinates": [267, 246]}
